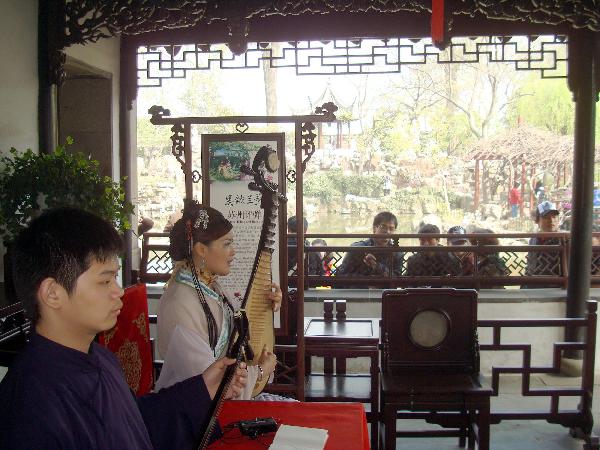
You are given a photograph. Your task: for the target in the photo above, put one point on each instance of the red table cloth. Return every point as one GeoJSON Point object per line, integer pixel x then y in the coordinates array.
{"type": "Point", "coordinates": [345, 423]}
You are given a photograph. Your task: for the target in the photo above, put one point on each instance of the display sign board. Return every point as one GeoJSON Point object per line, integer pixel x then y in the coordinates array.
{"type": "Point", "coordinates": [225, 187]}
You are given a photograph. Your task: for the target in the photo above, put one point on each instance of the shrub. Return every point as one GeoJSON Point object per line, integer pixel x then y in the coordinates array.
{"type": "Point", "coordinates": [31, 182]}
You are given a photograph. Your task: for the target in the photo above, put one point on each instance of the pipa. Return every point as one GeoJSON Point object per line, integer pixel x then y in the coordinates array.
{"type": "Point", "coordinates": [256, 303]}
{"type": "Point", "coordinates": [253, 323]}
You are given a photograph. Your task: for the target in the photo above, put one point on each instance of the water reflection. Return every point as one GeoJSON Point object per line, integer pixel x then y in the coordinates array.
{"type": "Point", "coordinates": [355, 223]}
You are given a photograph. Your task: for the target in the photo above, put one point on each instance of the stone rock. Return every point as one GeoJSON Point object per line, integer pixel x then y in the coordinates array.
{"type": "Point", "coordinates": [427, 218]}
{"type": "Point", "coordinates": [492, 210]}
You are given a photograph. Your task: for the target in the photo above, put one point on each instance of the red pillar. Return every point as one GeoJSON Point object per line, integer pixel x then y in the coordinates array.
{"type": "Point", "coordinates": [477, 182]}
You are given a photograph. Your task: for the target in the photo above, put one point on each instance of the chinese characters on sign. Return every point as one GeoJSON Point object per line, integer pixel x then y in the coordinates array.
{"type": "Point", "coordinates": [229, 193]}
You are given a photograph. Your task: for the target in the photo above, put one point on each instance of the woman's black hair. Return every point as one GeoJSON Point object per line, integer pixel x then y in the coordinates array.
{"type": "Point", "coordinates": [203, 224]}
{"type": "Point", "coordinates": [212, 228]}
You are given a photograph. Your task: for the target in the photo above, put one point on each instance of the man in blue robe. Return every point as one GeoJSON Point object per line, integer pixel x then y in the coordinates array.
{"type": "Point", "coordinates": [67, 392]}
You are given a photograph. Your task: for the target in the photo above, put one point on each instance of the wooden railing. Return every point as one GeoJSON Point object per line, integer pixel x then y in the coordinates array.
{"type": "Point", "coordinates": [551, 259]}
{"type": "Point", "coordinates": [579, 419]}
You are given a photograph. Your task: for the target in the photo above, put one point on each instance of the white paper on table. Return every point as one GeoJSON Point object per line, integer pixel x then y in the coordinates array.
{"type": "Point", "coordinates": [290, 437]}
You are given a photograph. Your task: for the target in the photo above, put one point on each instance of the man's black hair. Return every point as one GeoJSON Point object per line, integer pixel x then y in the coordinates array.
{"type": "Point", "coordinates": [62, 243]}
{"type": "Point", "coordinates": [429, 228]}
{"type": "Point", "coordinates": [385, 216]}
{"type": "Point", "coordinates": [292, 224]}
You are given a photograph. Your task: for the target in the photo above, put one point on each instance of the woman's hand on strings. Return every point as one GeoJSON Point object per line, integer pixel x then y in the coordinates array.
{"type": "Point", "coordinates": [214, 374]}
{"type": "Point", "coordinates": [267, 361]}
{"type": "Point", "coordinates": [275, 296]}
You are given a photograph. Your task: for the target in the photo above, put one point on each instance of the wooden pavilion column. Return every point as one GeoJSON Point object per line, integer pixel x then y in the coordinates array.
{"type": "Point", "coordinates": [523, 181]}
{"type": "Point", "coordinates": [51, 60]}
{"type": "Point", "coordinates": [319, 135]}
{"type": "Point", "coordinates": [584, 58]}
{"type": "Point", "coordinates": [532, 204]}
{"type": "Point", "coordinates": [300, 352]}
{"type": "Point", "coordinates": [477, 182]}
{"type": "Point", "coordinates": [127, 131]}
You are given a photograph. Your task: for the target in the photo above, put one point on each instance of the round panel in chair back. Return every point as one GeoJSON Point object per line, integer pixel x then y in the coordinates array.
{"type": "Point", "coordinates": [429, 328]}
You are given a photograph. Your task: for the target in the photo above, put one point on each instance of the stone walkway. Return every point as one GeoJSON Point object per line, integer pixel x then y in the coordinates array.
{"type": "Point", "coordinates": [514, 435]}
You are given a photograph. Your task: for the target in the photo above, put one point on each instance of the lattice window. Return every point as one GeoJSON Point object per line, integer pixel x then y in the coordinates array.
{"type": "Point", "coordinates": [159, 262]}
{"type": "Point", "coordinates": [547, 54]}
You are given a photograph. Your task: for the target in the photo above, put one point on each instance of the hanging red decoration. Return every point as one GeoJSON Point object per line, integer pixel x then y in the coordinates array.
{"type": "Point", "coordinates": [437, 21]}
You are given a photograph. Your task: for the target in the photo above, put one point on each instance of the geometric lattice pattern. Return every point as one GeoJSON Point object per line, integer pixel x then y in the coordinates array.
{"type": "Point", "coordinates": [514, 262]}
{"type": "Point", "coordinates": [410, 266]}
{"type": "Point", "coordinates": [159, 262]}
{"type": "Point", "coordinates": [554, 413]}
{"type": "Point", "coordinates": [449, 264]}
{"type": "Point", "coordinates": [285, 376]}
{"type": "Point", "coordinates": [544, 263]}
{"type": "Point", "coordinates": [546, 54]}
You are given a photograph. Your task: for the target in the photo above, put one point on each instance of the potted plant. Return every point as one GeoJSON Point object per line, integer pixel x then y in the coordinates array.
{"type": "Point", "coordinates": [31, 183]}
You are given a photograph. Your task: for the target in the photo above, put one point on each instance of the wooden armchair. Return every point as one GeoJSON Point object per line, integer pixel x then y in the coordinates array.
{"type": "Point", "coordinates": [430, 365]}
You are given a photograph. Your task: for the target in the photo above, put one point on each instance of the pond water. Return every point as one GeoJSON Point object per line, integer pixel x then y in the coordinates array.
{"type": "Point", "coordinates": [356, 223]}
{"type": "Point", "coordinates": [334, 222]}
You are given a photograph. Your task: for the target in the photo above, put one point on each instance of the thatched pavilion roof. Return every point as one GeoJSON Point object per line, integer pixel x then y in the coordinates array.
{"type": "Point", "coordinates": [525, 143]}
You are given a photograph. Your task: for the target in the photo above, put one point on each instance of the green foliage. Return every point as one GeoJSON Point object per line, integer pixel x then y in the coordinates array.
{"type": "Point", "coordinates": [390, 134]}
{"type": "Point", "coordinates": [403, 201]}
{"type": "Point", "coordinates": [451, 134]}
{"type": "Point", "coordinates": [202, 97]}
{"type": "Point", "coordinates": [333, 183]}
{"type": "Point", "coordinates": [544, 103]}
{"type": "Point", "coordinates": [149, 136]}
{"type": "Point", "coordinates": [30, 183]}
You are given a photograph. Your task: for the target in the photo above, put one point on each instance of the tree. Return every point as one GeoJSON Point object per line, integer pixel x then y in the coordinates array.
{"type": "Point", "coordinates": [201, 97]}
{"type": "Point", "coordinates": [548, 104]}
{"type": "Point", "coordinates": [480, 91]}
{"type": "Point", "coordinates": [151, 138]}
{"type": "Point", "coordinates": [270, 80]}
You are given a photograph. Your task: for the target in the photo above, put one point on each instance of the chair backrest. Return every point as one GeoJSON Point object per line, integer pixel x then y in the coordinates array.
{"type": "Point", "coordinates": [14, 332]}
{"type": "Point", "coordinates": [130, 340]}
{"type": "Point", "coordinates": [429, 329]}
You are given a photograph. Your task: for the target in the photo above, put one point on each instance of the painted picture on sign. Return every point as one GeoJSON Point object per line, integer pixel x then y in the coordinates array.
{"type": "Point", "coordinates": [226, 158]}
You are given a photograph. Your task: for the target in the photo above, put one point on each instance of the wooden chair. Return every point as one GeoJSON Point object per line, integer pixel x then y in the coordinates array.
{"type": "Point", "coordinates": [430, 365]}
{"type": "Point", "coordinates": [129, 339]}
{"type": "Point", "coordinates": [14, 332]}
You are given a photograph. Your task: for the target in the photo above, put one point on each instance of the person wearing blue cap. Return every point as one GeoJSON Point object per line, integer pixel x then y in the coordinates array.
{"type": "Point", "coordinates": [545, 263]}
{"type": "Point", "coordinates": [464, 259]}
